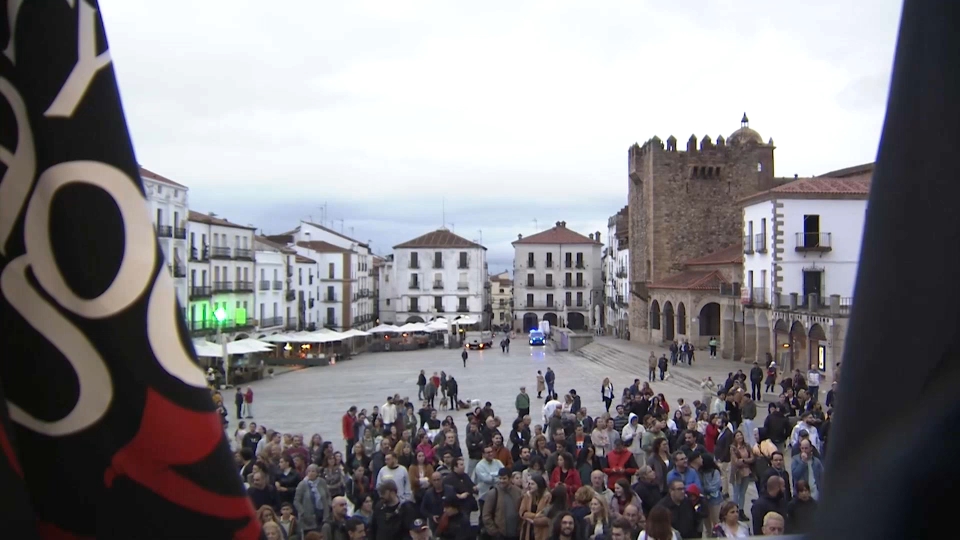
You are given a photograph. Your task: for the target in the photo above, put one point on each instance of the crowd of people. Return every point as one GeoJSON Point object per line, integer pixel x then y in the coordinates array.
{"type": "Point", "coordinates": [647, 469]}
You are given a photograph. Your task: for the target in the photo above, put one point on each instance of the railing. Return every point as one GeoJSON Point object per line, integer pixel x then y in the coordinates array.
{"type": "Point", "coordinates": [264, 284]}
{"type": "Point", "coordinates": [748, 245]}
{"type": "Point", "coordinates": [414, 265]}
{"type": "Point", "coordinates": [580, 265]}
{"type": "Point", "coordinates": [760, 243]}
{"type": "Point", "coordinates": [222, 286]}
{"type": "Point", "coordinates": [243, 253]}
{"type": "Point", "coordinates": [291, 324]}
{"type": "Point", "coordinates": [271, 322]}
{"type": "Point", "coordinates": [503, 303]}
{"type": "Point", "coordinates": [463, 285]}
{"type": "Point", "coordinates": [463, 265]}
{"type": "Point", "coordinates": [573, 285]}
{"type": "Point", "coordinates": [330, 298]}
{"type": "Point", "coordinates": [291, 295]}
{"type": "Point", "coordinates": [620, 301]}
{"type": "Point", "coordinates": [218, 252]}
{"type": "Point", "coordinates": [178, 271]}
{"type": "Point", "coordinates": [730, 289]}
{"type": "Point", "coordinates": [534, 285]}
{"type": "Point", "coordinates": [813, 241]}
{"type": "Point", "coordinates": [541, 305]}
{"type": "Point", "coordinates": [757, 297]}
{"type": "Point", "coordinates": [438, 264]}
{"type": "Point", "coordinates": [463, 309]}
{"type": "Point", "coordinates": [331, 323]}
{"type": "Point", "coordinates": [164, 231]}
{"type": "Point", "coordinates": [277, 285]}
{"type": "Point", "coordinates": [621, 273]}
{"type": "Point", "coordinates": [438, 284]}
{"type": "Point", "coordinates": [414, 285]}
{"type": "Point", "coordinates": [194, 254]}
{"type": "Point", "coordinates": [439, 309]}
{"type": "Point", "coordinates": [244, 286]}
{"type": "Point", "coordinates": [200, 291]}
{"type": "Point", "coordinates": [180, 233]}
{"type": "Point", "coordinates": [414, 309]}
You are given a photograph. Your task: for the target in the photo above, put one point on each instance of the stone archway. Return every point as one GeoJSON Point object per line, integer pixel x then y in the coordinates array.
{"type": "Point", "coordinates": [414, 319]}
{"type": "Point", "coordinates": [655, 315]}
{"type": "Point", "coordinates": [576, 320]}
{"type": "Point", "coordinates": [709, 320]}
{"type": "Point", "coordinates": [763, 338]}
{"type": "Point", "coordinates": [681, 319]}
{"type": "Point", "coordinates": [551, 318]}
{"type": "Point", "coordinates": [669, 320]}
{"type": "Point", "coordinates": [817, 342]}
{"type": "Point", "coordinates": [530, 321]}
{"type": "Point", "coordinates": [798, 347]}
{"type": "Point", "coordinates": [241, 336]}
{"type": "Point", "coordinates": [781, 344]}
{"type": "Point", "coordinates": [749, 335]}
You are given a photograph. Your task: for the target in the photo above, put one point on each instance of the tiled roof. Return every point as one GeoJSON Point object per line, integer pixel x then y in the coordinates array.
{"type": "Point", "coordinates": [558, 234]}
{"type": "Point", "coordinates": [847, 187]}
{"type": "Point", "coordinates": [698, 280]}
{"type": "Point", "coordinates": [440, 238]}
{"type": "Point", "coordinates": [199, 217]}
{"type": "Point", "coordinates": [331, 231]}
{"type": "Point", "coordinates": [323, 247]}
{"type": "Point", "coordinates": [275, 245]}
{"type": "Point", "coordinates": [856, 170]}
{"type": "Point", "coordinates": [730, 255]}
{"type": "Point", "coordinates": [307, 260]}
{"type": "Point", "coordinates": [147, 173]}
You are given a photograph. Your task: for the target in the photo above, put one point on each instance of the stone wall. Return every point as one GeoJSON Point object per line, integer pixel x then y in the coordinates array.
{"type": "Point", "coordinates": [683, 205]}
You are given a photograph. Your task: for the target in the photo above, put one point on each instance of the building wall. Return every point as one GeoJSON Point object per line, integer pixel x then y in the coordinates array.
{"type": "Point", "coordinates": [215, 270]}
{"type": "Point", "coordinates": [675, 216]}
{"type": "Point", "coordinates": [501, 294]}
{"type": "Point", "coordinates": [388, 293]}
{"type": "Point", "coordinates": [454, 282]}
{"type": "Point", "coordinates": [270, 283]}
{"type": "Point", "coordinates": [169, 208]}
{"type": "Point", "coordinates": [358, 279]}
{"type": "Point", "coordinates": [592, 273]}
{"type": "Point", "coordinates": [760, 258]}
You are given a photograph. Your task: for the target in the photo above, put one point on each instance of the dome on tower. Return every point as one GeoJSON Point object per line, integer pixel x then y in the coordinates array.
{"type": "Point", "coordinates": [744, 135]}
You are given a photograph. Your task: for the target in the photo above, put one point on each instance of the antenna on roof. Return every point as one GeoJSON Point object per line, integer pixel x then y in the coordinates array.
{"type": "Point", "coordinates": [481, 236]}
{"type": "Point", "coordinates": [536, 226]}
{"type": "Point", "coordinates": [443, 211]}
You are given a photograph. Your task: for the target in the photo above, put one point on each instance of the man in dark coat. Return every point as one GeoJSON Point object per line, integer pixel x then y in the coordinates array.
{"type": "Point", "coordinates": [770, 501]}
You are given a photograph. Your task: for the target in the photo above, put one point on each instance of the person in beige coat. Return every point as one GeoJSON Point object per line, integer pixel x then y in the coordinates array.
{"type": "Point", "coordinates": [541, 384]}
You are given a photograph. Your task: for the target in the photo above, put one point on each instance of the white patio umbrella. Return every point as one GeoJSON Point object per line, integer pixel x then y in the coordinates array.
{"type": "Point", "coordinates": [438, 326]}
{"type": "Point", "coordinates": [206, 349]}
{"type": "Point", "coordinates": [353, 332]}
{"type": "Point", "coordinates": [466, 320]}
{"type": "Point", "coordinates": [414, 327]}
{"type": "Point", "coordinates": [384, 329]}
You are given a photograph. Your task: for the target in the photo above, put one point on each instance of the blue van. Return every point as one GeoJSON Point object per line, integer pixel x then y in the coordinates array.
{"type": "Point", "coordinates": [536, 337]}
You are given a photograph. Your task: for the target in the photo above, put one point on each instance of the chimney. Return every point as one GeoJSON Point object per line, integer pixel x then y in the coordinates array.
{"type": "Point", "coordinates": [795, 176]}
{"type": "Point", "coordinates": [519, 237]}
{"type": "Point", "coordinates": [558, 224]}
{"type": "Point", "coordinates": [563, 224]}
{"type": "Point", "coordinates": [591, 236]}
{"type": "Point", "coordinates": [596, 236]}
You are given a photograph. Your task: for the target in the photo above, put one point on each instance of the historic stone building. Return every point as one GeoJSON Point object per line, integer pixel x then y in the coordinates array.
{"type": "Point", "coordinates": [683, 204]}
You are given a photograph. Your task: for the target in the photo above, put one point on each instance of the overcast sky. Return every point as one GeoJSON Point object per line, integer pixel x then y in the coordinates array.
{"type": "Point", "coordinates": [511, 111]}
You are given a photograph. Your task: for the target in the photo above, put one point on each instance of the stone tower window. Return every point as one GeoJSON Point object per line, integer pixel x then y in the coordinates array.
{"type": "Point", "coordinates": [759, 167]}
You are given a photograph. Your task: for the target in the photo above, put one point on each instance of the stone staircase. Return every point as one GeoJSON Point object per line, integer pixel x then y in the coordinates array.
{"type": "Point", "coordinates": [622, 362]}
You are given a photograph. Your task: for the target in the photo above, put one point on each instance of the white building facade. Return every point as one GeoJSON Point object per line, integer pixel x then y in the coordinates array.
{"type": "Point", "coordinates": [558, 277]}
{"type": "Point", "coordinates": [616, 267]}
{"type": "Point", "coordinates": [168, 201]}
{"type": "Point", "coordinates": [221, 274]}
{"type": "Point", "coordinates": [801, 253]}
{"type": "Point", "coordinates": [387, 292]}
{"type": "Point", "coordinates": [274, 266]}
{"type": "Point", "coordinates": [435, 275]}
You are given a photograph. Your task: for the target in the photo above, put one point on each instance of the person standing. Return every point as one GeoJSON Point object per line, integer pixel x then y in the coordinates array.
{"type": "Point", "coordinates": [348, 430]}
{"type": "Point", "coordinates": [452, 390]}
{"type": "Point", "coordinates": [662, 364]}
{"type": "Point", "coordinates": [248, 402]}
{"type": "Point", "coordinates": [238, 399]}
{"type": "Point", "coordinates": [652, 367]}
{"type": "Point", "coordinates": [550, 379]}
{"type": "Point", "coordinates": [756, 377]}
{"type": "Point", "coordinates": [541, 386]}
{"type": "Point", "coordinates": [606, 392]}
{"type": "Point", "coordinates": [523, 403]}
{"type": "Point", "coordinates": [463, 356]}
{"type": "Point", "coordinates": [443, 383]}
{"type": "Point", "coordinates": [813, 383]}
{"type": "Point", "coordinates": [421, 384]}
{"type": "Point", "coordinates": [713, 347]}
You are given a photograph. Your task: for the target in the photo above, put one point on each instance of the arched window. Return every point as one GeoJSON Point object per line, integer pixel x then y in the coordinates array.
{"type": "Point", "coordinates": [655, 315]}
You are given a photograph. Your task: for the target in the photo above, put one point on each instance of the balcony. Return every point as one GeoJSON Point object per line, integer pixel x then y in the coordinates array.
{"type": "Point", "coordinates": [291, 324]}
{"type": "Point", "coordinates": [164, 231]}
{"type": "Point", "coordinates": [620, 301]}
{"type": "Point", "coordinates": [178, 270]}
{"type": "Point", "coordinates": [330, 298]}
{"type": "Point", "coordinates": [531, 263]}
{"type": "Point", "coordinates": [535, 285]}
{"type": "Point", "coordinates": [194, 254]}
{"type": "Point", "coordinates": [180, 233]}
{"type": "Point", "coordinates": [832, 305]}
{"type": "Point", "coordinates": [730, 289]}
{"type": "Point", "coordinates": [580, 265]}
{"type": "Point", "coordinates": [291, 295]}
{"type": "Point", "coordinates": [549, 264]}
{"type": "Point", "coordinates": [438, 285]}
{"type": "Point", "coordinates": [439, 309]}
{"type": "Point", "coordinates": [217, 252]}
{"type": "Point", "coordinates": [463, 309]}
{"type": "Point", "coordinates": [748, 245]}
{"type": "Point", "coordinates": [222, 286]}
{"type": "Point", "coordinates": [621, 273]}
{"type": "Point", "coordinates": [757, 296]}
{"type": "Point", "coordinates": [243, 253]}
{"type": "Point", "coordinates": [813, 242]}
{"type": "Point", "coordinates": [243, 286]}
{"type": "Point", "coordinates": [414, 285]}
{"type": "Point", "coordinates": [574, 285]}
{"type": "Point", "coordinates": [438, 264]}
{"type": "Point", "coordinates": [200, 291]}
{"type": "Point", "coordinates": [414, 309]}
{"type": "Point", "coordinates": [277, 285]}
{"type": "Point", "coordinates": [414, 265]}
{"type": "Point", "coordinates": [331, 323]}
{"type": "Point", "coordinates": [760, 243]}
{"type": "Point", "coordinates": [271, 322]}
{"type": "Point", "coordinates": [463, 265]}
{"type": "Point", "coordinates": [462, 285]}
{"type": "Point", "coordinates": [542, 306]}
{"type": "Point", "coordinates": [264, 285]}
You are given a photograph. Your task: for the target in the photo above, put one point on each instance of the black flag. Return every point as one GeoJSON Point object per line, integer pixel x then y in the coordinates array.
{"type": "Point", "coordinates": [107, 428]}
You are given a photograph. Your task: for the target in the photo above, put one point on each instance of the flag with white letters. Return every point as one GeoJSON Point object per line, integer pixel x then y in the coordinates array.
{"type": "Point", "coordinates": [107, 429]}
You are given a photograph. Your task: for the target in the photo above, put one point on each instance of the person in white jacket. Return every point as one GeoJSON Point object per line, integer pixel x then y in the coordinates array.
{"type": "Point", "coordinates": [631, 435]}
{"type": "Point", "coordinates": [389, 414]}
{"type": "Point", "coordinates": [393, 471]}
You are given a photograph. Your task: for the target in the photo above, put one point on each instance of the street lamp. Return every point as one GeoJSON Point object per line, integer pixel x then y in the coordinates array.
{"type": "Point", "coordinates": [221, 315]}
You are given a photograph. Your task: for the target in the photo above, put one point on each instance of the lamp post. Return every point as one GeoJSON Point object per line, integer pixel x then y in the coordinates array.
{"type": "Point", "coordinates": [220, 314]}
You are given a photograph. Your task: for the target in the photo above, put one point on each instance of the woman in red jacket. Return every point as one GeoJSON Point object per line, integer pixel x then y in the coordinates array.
{"type": "Point", "coordinates": [711, 433]}
{"type": "Point", "coordinates": [565, 473]}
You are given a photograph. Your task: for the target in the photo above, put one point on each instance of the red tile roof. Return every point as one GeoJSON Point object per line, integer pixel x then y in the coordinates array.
{"type": "Point", "coordinates": [331, 231]}
{"type": "Point", "coordinates": [730, 255]}
{"type": "Point", "coordinates": [275, 245]}
{"type": "Point", "coordinates": [147, 173]}
{"type": "Point", "coordinates": [323, 247]}
{"type": "Point", "coordinates": [700, 280]}
{"type": "Point", "coordinates": [856, 170]}
{"type": "Point", "coordinates": [440, 238]}
{"type": "Point", "coordinates": [828, 187]}
{"type": "Point", "coordinates": [559, 234]}
{"type": "Point", "coordinates": [302, 259]}
{"type": "Point", "coordinates": [199, 217]}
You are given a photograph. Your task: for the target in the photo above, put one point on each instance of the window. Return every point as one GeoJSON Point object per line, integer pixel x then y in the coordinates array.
{"type": "Point", "coordinates": [463, 303]}
{"type": "Point", "coordinates": [331, 316]}
{"type": "Point", "coordinates": [529, 280]}
{"type": "Point", "coordinates": [438, 259]}
{"type": "Point", "coordinates": [529, 300]}
{"type": "Point", "coordinates": [300, 276]}
{"type": "Point", "coordinates": [159, 217]}
{"type": "Point", "coordinates": [811, 231]}
{"type": "Point", "coordinates": [414, 260]}
{"type": "Point", "coordinates": [414, 304]}
{"type": "Point", "coordinates": [569, 299]}
{"type": "Point", "coordinates": [549, 280]}
{"type": "Point", "coordinates": [330, 271]}
{"type": "Point", "coordinates": [331, 296]}
{"type": "Point", "coordinates": [388, 302]}
{"type": "Point", "coordinates": [549, 260]}
{"type": "Point", "coordinates": [568, 282]}
{"type": "Point", "coordinates": [550, 302]}
{"type": "Point", "coordinates": [579, 299]}
{"type": "Point", "coordinates": [464, 263]}
{"type": "Point", "coordinates": [579, 279]}
{"type": "Point", "coordinates": [567, 260]}
{"type": "Point", "coordinates": [438, 303]}
{"type": "Point", "coordinates": [579, 260]}
{"type": "Point", "coordinates": [502, 316]}
{"type": "Point", "coordinates": [530, 261]}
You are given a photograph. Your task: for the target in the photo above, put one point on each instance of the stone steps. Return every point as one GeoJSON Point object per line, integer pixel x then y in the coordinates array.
{"type": "Point", "coordinates": [624, 363]}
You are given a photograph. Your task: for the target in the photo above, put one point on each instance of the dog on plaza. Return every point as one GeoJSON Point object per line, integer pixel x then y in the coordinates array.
{"type": "Point", "coordinates": [444, 404]}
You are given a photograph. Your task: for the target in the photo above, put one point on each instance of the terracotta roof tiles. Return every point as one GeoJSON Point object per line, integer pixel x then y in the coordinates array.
{"type": "Point", "coordinates": [701, 280]}
{"type": "Point", "coordinates": [199, 217]}
{"type": "Point", "coordinates": [440, 238]}
{"type": "Point", "coordinates": [305, 260]}
{"type": "Point", "coordinates": [147, 173]}
{"type": "Point", "coordinates": [559, 234]}
{"type": "Point", "coordinates": [847, 187]}
{"type": "Point", "coordinates": [331, 231]}
{"type": "Point", "coordinates": [275, 245]}
{"type": "Point", "coordinates": [323, 247]}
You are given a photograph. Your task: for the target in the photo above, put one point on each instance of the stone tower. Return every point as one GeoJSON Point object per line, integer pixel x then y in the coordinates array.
{"type": "Point", "coordinates": [683, 204]}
